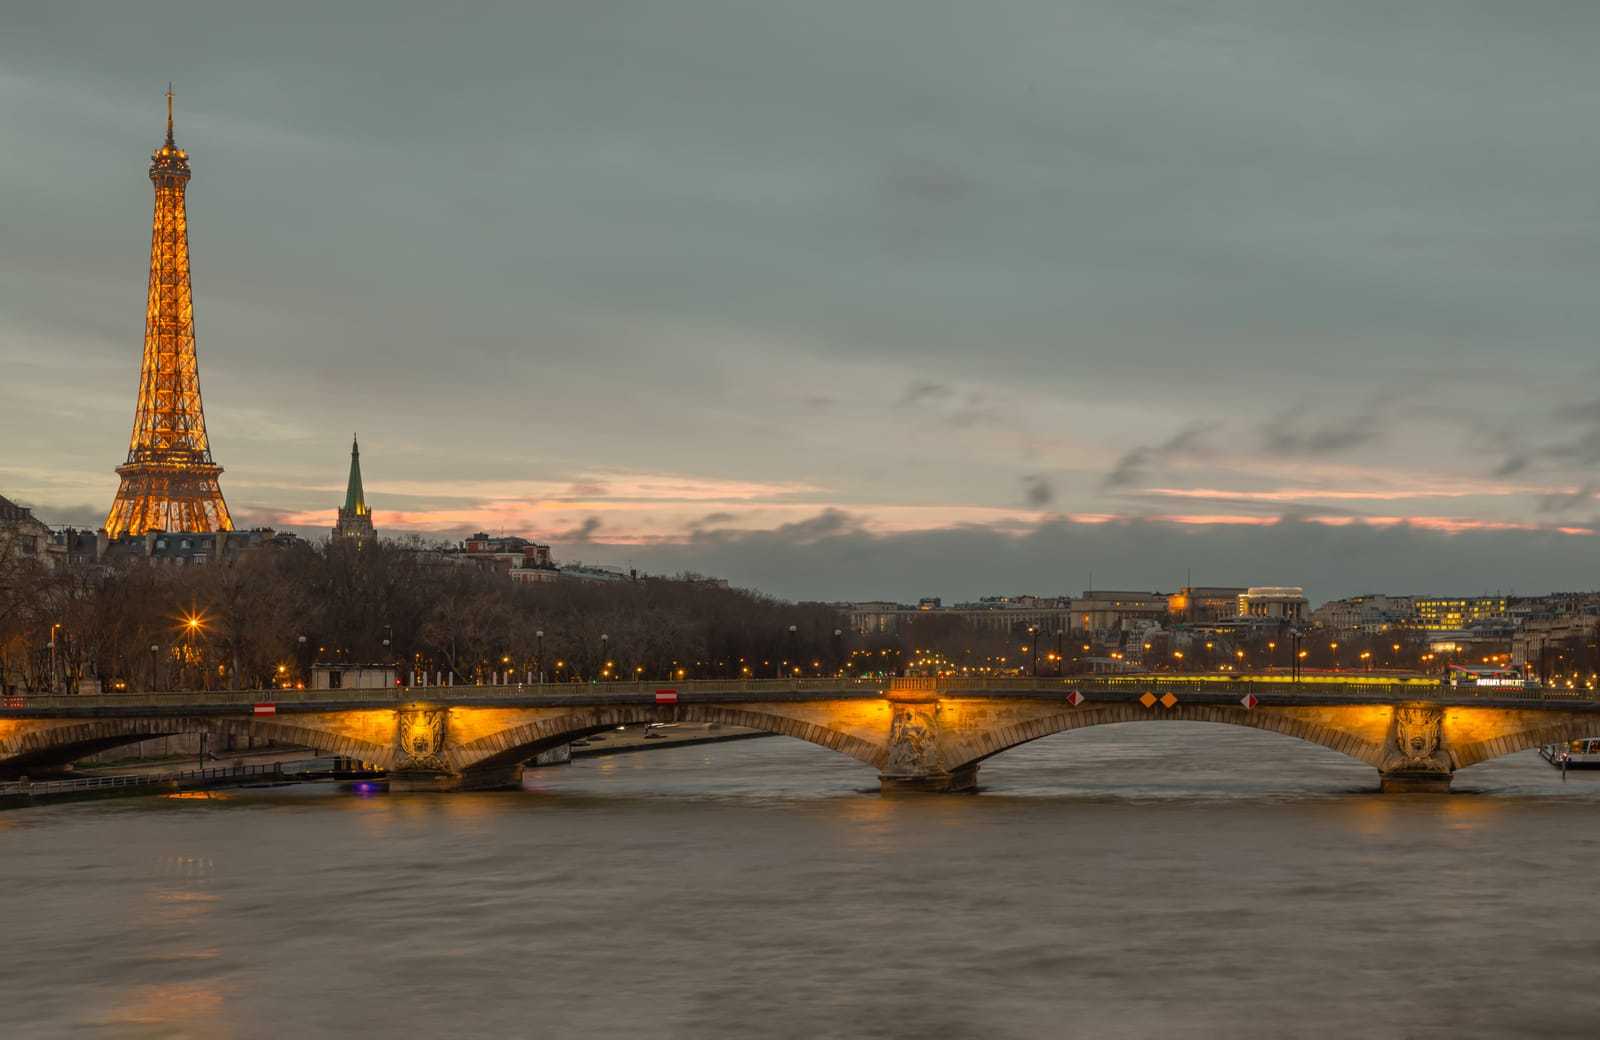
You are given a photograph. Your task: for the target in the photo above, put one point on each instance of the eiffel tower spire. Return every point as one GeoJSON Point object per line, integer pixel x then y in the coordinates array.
{"type": "Point", "coordinates": [169, 482]}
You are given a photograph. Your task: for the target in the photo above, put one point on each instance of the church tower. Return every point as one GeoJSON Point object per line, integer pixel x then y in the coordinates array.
{"type": "Point", "coordinates": [355, 519]}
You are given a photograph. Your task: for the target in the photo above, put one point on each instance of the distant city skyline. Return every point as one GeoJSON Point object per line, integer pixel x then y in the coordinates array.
{"type": "Point", "coordinates": [1301, 298]}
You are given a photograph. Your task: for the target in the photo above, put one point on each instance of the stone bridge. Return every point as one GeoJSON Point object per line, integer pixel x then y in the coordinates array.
{"type": "Point", "coordinates": [918, 734]}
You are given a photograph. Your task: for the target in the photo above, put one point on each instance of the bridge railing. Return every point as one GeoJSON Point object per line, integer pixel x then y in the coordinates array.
{"type": "Point", "coordinates": [392, 694]}
{"type": "Point", "coordinates": [385, 696]}
{"type": "Point", "coordinates": [1418, 689]}
{"type": "Point", "coordinates": [181, 777]}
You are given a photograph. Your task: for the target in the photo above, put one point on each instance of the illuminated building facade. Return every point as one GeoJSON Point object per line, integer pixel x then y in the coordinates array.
{"type": "Point", "coordinates": [1273, 602]}
{"type": "Point", "coordinates": [355, 519]}
{"type": "Point", "coordinates": [1443, 614]}
{"type": "Point", "coordinates": [1007, 615]}
{"type": "Point", "coordinates": [1369, 613]}
{"type": "Point", "coordinates": [169, 482]}
{"type": "Point", "coordinates": [1205, 602]}
{"type": "Point", "coordinates": [1105, 610]}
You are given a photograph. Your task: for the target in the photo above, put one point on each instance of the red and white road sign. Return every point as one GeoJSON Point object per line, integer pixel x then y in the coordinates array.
{"type": "Point", "coordinates": [1075, 698]}
{"type": "Point", "coordinates": [1249, 700]}
{"type": "Point", "coordinates": [265, 709]}
{"type": "Point", "coordinates": [666, 696]}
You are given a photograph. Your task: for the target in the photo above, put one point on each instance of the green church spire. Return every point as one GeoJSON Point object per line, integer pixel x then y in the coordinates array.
{"type": "Point", "coordinates": [355, 499]}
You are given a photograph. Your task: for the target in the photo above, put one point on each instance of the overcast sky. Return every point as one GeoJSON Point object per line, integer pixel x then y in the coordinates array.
{"type": "Point", "coordinates": [843, 299]}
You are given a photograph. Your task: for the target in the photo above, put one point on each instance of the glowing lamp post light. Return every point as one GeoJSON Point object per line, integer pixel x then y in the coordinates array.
{"type": "Point", "coordinates": [192, 625]}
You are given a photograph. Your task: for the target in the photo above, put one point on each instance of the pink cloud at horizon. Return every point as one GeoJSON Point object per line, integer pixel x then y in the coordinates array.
{"type": "Point", "coordinates": [638, 525]}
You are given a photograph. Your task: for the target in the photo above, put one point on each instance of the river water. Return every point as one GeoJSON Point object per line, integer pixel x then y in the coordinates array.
{"type": "Point", "coordinates": [1175, 880]}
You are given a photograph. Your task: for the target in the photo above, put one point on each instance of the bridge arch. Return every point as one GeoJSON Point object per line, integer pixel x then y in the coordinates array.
{"type": "Point", "coordinates": [1554, 732]}
{"type": "Point", "coordinates": [963, 753]}
{"type": "Point", "coordinates": [286, 732]}
{"type": "Point", "coordinates": [54, 746]}
{"type": "Point", "coordinates": [518, 744]}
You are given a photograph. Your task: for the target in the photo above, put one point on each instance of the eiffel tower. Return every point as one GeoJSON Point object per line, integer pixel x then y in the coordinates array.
{"type": "Point", "coordinates": [169, 482]}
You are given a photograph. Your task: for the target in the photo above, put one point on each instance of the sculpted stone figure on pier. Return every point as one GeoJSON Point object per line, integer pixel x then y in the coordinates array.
{"type": "Point", "coordinates": [1416, 758]}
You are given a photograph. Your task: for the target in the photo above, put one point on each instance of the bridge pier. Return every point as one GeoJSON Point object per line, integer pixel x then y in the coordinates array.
{"type": "Point", "coordinates": [914, 761]}
{"type": "Point", "coordinates": [500, 778]}
{"type": "Point", "coordinates": [1415, 781]}
{"type": "Point", "coordinates": [955, 781]}
{"type": "Point", "coordinates": [1417, 759]}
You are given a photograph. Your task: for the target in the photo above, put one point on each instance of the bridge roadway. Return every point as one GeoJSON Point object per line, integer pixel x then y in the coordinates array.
{"type": "Point", "coordinates": [919, 734]}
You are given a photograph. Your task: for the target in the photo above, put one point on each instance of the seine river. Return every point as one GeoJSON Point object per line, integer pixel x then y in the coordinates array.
{"type": "Point", "coordinates": [1174, 880]}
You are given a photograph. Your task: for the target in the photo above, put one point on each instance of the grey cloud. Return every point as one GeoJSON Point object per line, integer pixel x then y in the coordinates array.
{"type": "Point", "coordinates": [1293, 434]}
{"type": "Point", "coordinates": [1571, 438]}
{"type": "Point", "coordinates": [80, 516]}
{"type": "Point", "coordinates": [923, 392]}
{"type": "Point", "coordinates": [841, 562]}
{"type": "Point", "coordinates": [1511, 465]}
{"type": "Point", "coordinates": [1133, 467]}
{"type": "Point", "coordinates": [1038, 491]}
{"type": "Point", "coordinates": [1582, 498]}
{"type": "Point", "coordinates": [960, 409]}
{"type": "Point", "coordinates": [1130, 468]}
{"type": "Point", "coordinates": [582, 534]}
{"type": "Point", "coordinates": [928, 182]}
{"type": "Point", "coordinates": [713, 520]}
{"type": "Point", "coordinates": [828, 524]}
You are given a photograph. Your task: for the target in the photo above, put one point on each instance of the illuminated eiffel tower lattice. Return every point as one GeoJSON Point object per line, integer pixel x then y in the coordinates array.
{"type": "Point", "coordinates": [169, 482]}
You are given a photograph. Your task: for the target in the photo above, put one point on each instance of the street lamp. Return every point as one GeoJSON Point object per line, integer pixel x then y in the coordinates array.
{"type": "Point", "coordinates": [300, 659]}
{"type": "Point", "coordinates": [1033, 640]}
{"type": "Point", "coordinates": [605, 642]}
{"type": "Point", "coordinates": [192, 623]}
{"type": "Point", "coordinates": [53, 630]}
{"type": "Point", "coordinates": [155, 671]}
{"type": "Point", "coordinates": [538, 655]}
{"type": "Point", "coordinates": [794, 643]}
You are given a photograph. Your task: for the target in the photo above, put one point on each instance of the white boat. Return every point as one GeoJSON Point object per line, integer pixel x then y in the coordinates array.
{"type": "Point", "coordinates": [1574, 754]}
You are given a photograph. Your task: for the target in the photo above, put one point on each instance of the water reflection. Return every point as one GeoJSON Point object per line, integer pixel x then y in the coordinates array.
{"type": "Point", "coordinates": [169, 1009]}
{"type": "Point", "coordinates": [1173, 880]}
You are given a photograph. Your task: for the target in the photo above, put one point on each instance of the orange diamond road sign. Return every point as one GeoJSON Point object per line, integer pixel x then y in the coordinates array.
{"type": "Point", "coordinates": [1148, 700]}
{"type": "Point", "coordinates": [1249, 700]}
{"type": "Point", "coordinates": [1168, 701]}
{"type": "Point", "coordinates": [1074, 698]}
